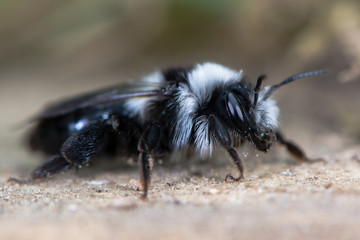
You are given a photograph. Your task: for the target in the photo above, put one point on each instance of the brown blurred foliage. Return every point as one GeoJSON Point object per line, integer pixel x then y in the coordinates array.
{"type": "Point", "coordinates": [89, 36]}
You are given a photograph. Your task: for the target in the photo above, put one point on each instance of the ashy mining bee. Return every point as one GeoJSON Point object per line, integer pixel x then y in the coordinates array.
{"type": "Point", "coordinates": [178, 108]}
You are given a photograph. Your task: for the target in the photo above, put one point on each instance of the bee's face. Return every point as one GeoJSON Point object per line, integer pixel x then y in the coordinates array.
{"type": "Point", "coordinates": [242, 116]}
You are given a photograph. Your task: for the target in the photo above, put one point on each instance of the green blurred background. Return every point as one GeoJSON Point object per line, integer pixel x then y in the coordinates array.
{"type": "Point", "coordinates": [52, 49]}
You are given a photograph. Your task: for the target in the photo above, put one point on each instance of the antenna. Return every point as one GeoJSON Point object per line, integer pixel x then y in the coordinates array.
{"type": "Point", "coordinates": [275, 87]}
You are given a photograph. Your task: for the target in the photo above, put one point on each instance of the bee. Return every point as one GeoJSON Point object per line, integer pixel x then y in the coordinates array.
{"type": "Point", "coordinates": [198, 108]}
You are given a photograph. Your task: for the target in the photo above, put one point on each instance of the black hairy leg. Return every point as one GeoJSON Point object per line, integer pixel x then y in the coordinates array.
{"type": "Point", "coordinates": [238, 163]}
{"type": "Point", "coordinates": [80, 147]}
{"type": "Point", "coordinates": [295, 150]}
{"type": "Point", "coordinates": [78, 150]}
{"type": "Point", "coordinates": [54, 165]}
{"type": "Point", "coordinates": [222, 135]}
{"type": "Point", "coordinates": [147, 147]}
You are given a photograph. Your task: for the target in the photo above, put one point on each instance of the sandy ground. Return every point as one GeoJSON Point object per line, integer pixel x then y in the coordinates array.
{"type": "Point", "coordinates": [276, 201]}
{"type": "Point", "coordinates": [279, 199]}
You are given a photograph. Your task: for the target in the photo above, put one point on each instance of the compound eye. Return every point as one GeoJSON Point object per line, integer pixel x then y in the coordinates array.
{"type": "Point", "coordinates": [234, 109]}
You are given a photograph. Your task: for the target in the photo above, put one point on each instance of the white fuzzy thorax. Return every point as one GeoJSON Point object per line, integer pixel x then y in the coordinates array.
{"type": "Point", "coordinates": [202, 81]}
{"type": "Point", "coordinates": [204, 78]}
{"type": "Point", "coordinates": [203, 140]}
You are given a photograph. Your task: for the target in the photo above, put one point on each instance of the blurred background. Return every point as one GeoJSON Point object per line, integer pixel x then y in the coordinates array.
{"type": "Point", "coordinates": [53, 49]}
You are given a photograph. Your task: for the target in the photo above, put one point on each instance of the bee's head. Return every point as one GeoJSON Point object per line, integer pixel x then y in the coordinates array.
{"type": "Point", "coordinates": [254, 122]}
{"type": "Point", "coordinates": [254, 114]}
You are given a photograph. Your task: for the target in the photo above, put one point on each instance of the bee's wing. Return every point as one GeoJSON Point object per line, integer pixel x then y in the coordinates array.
{"type": "Point", "coordinates": [106, 96]}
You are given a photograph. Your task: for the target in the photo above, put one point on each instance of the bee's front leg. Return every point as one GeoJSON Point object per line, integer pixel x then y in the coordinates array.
{"type": "Point", "coordinates": [223, 136]}
{"type": "Point", "coordinates": [295, 150]}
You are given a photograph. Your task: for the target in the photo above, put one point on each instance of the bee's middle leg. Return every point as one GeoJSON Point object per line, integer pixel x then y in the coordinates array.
{"type": "Point", "coordinates": [147, 147]}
